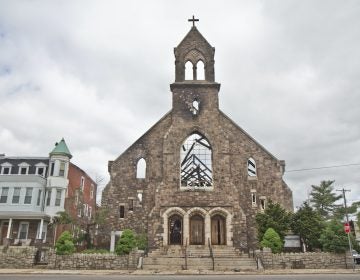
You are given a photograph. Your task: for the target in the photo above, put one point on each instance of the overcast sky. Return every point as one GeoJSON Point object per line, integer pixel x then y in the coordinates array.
{"type": "Point", "coordinates": [98, 72]}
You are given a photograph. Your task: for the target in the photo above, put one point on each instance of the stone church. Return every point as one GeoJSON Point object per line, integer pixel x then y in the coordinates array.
{"type": "Point", "coordinates": [195, 177]}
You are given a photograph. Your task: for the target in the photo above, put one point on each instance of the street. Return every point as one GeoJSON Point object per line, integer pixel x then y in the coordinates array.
{"type": "Point", "coordinates": [180, 277]}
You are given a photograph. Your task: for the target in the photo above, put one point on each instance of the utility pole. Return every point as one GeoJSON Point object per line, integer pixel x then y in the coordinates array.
{"type": "Point", "coordinates": [347, 221]}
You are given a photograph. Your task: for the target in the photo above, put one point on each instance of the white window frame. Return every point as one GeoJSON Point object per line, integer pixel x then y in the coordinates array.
{"type": "Point", "coordinates": [27, 230]}
{"type": "Point", "coordinates": [48, 197]}
{"type": "Point", "coordinates": [2, 194]}
{"type": "Point", "coordinates": [90, 212]}
{"type": "Point", "coordinates": [31, 196]}
{"type": "Point", "coordinates": [6, 165]}
{"type": "Point", "coordinates": [12, 198]}
{"type": "Point", "coordinates": [44, 231]}
{"type": "Point", "coordinates": [38, 166]}
{"type": "Point", "coordinates": [79, 210]}
{"type": "Point", "coordinates": [82, 183]}
{"type": "Point", "coordinates": [58, 199]}
{"type": "Point", "coordinates": [38, 200]}
{"type": "Point", "coordinates": [92, 191]}
{"type": "Point", "coordinates": [62, 163]}
{"type": "Point", "coordinates": [23, 165]}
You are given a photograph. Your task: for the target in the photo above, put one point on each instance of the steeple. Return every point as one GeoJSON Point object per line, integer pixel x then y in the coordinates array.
{"type": "Point", "coordinates": [195, 92]}
{"type": "Point", "coordinates": [195, 53]}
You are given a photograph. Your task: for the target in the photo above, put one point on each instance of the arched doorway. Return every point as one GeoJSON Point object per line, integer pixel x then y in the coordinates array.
{"type": "Point", "coordinates": [197, 230]}
{"type": "Point", "coordinates": [218, 230]}
{"type": "Point", "coordinates": [175, 229]}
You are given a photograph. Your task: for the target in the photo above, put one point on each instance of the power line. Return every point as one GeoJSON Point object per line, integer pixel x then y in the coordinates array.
{"type": "Point", "coordinates": [322, 167]}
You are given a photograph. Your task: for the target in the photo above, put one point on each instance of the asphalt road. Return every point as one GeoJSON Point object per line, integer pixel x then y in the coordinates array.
{"type": "Point", "coordinates": [181, 277]}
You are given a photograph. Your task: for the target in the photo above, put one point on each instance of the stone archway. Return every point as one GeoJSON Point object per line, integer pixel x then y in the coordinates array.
{"type": "Point", "coordinates": [218, 230]}
{"type": "Point", "coordinates": [175, 230]}
{"type": "Point", "coordinates": [197, 230]}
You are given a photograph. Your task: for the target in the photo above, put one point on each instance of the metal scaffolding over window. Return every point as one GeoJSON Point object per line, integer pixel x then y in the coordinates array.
{"type": "Point", "coordinates": [196, 166]}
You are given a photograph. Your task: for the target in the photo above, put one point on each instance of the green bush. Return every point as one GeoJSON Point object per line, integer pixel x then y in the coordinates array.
{"type": "Point", "coordinates": [126, 243]}
{"type": "Point", "coordinates": [272, 240]}
{"type": "Point", "coordinates": [95, 251]}
{"type": "Point", "coordinates": [65, 244]}
{"type": "Point", "coordinates": [141, 241]}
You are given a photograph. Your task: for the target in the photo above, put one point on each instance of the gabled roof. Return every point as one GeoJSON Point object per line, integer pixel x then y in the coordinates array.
{"type": "Point", "coordinates": [194, 35]}
{"type": "Point", "coordinates": [61, 149]}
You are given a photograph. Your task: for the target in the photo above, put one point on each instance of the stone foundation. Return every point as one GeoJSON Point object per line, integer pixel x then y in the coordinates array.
{"type": "Point", "coordinates": [24, 257]}
{"type": "Point", "coordinates": [304, 260]}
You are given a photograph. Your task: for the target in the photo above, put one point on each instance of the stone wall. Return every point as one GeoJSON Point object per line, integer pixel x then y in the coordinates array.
{"type": "Point", "coordinates": [304, 260]}
{"type": "Point", "coordinates": [24, 257]}
{"type": "Point", "coordinates": [17, 257]}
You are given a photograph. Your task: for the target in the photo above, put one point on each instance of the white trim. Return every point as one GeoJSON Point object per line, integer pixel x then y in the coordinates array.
{"type": "Point", "coordinates": [82, 183]}
{"type": "Point", "coordinates": [27, 230]}
{"type": "Point", "coordinates": [23, 165]}
{"type": "Point", "coordinates": [6, 165]}
{"type": "Point", "coordinates": [38, 166]}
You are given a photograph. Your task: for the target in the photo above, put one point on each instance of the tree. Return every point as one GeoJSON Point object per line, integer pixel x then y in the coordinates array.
{"type": "Point", "coordinates": [333, 238]}
{"type": "Point", "coordinates": [126, 243]}
{"type": "Point", "coordinates": [61, 218]}
{"type": "Point", "coordinates": [272, 240]}
{"type": "Point", "coordinates": [308, 223]}
{"type": "Point", "coordinates": [323, 198]}
{"type": "Point", "coordinates": [65, 244]}
{"type": "Point", "coordinates": [275, 217]}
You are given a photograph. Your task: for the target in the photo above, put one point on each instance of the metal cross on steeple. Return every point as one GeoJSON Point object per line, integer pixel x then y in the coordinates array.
{"type": "Point", "coordinates": [193, 19]}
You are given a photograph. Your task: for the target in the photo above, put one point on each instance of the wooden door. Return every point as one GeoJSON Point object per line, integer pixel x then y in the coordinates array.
{"type": "Point", "coordinates": [218, 230]}
{"type": "Point", "coordinates": [4, 229]}
{"type": "Point", "coordinates": [197, 230]}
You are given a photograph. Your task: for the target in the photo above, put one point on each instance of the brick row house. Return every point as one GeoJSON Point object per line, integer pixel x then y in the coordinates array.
{"type": "Point", "coordinates": [33, 190]}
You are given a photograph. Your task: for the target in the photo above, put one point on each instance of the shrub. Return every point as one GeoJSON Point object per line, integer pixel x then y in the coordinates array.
{"type": "Point", "coordinates": [126, 243]}
{"type": "Point", "coordinates": [141, 241]}
{"type": "Point", "coordinates": [272, 240]}
{"type": "Point", "coordinates": [65, 244]}
{"type": "Point", "coordinates": [95, 251]}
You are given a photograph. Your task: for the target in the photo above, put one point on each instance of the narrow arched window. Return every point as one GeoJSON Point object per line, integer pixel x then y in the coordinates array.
{"type": "Point", "coordinates": [196, 165]}
{"type": "Point", "coordinates": [141, 169]}
{"type": "Point", "coordinates": [251, 167]}
{"type": "Point", "coordinates": [189, 74]}
{"type": "Point", "coordinates": [200, 70]}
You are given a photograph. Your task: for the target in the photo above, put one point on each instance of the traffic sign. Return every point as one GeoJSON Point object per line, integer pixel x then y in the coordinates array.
{"type": "Point", "coordinates": [347, 227]}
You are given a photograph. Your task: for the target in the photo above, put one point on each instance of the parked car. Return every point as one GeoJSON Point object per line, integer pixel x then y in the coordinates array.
{"type": "Point", "coordinates": [356, 257]}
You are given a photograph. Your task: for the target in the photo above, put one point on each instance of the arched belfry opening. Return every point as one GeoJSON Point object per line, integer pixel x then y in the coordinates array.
{"type": "Point", "coordinates": [189, 71]}
{"type": "Point", "coordinates": [200, 70]}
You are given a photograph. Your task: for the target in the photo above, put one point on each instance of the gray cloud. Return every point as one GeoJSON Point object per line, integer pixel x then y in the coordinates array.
{"type": "Point", "coordinates": [98, 74]}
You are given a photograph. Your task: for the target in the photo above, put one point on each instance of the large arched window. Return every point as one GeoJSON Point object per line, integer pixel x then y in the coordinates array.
{"type": "Point", "coordinates": [196, 165]}
{"type": "Point", "coordinates": [189, 71]}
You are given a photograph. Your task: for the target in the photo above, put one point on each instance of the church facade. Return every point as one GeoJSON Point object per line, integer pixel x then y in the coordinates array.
{"type": "Point", "coordinates": [195, 177]}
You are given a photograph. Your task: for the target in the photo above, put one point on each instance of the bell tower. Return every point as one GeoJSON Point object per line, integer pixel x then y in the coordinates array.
{"type": "Point", "coordinates": [194, 89]}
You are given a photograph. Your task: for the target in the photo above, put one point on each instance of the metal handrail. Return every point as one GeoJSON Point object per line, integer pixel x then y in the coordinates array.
{"type": "Point", "coordinates": [211, 255]}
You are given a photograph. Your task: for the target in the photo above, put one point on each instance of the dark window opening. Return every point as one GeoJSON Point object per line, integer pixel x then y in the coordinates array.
{"type": "Point", "coordinates": [122, 211]}
{"type": "Point", "coordinates": [131, 205]}
{"type": "Point", "coordinates": [52, 167]}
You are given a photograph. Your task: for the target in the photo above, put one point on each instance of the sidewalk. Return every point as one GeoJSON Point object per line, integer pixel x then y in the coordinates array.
{"type": "Point", "coordinates": [179, 272]}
